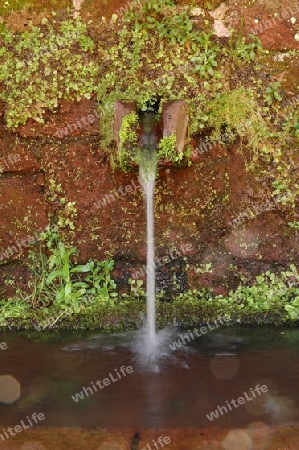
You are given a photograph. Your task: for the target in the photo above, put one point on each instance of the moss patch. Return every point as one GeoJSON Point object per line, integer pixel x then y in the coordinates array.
{"type": "Point", "coordinates": [270, 300]}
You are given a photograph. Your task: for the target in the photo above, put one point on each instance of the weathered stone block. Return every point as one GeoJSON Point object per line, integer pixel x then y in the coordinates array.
{"type": "Point", "coordinates": [175, 120]}
{"type": "Point", "coordinates": [73, 119]}
{"type": "Point", "coordinates": [121, 109]}
{"type": "Point", "coordinates": [23, 215]}
{"type": "Point", "coordinates": [18, 159]}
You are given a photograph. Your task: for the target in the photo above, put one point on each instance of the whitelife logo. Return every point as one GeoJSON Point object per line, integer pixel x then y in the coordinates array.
{"type": "Point", "coordinates": [10, 160]}
{"type": "Point", "coordinates": [236, 403]}
{"type": "Point", "coordinates": [122, 191]}
{"type": "Point", "coordinates": [3, 346]}
{"type": "Point", "coordinates": [10, 251]}
{"type": "Point", "coordinates": [172, 256]}
{"type": "Point", "coordinates": [106, 382]}
{"type": "Point", "coordinates": [159, 444]}
{"type": "Point", "coordinates": [203, 330]}
{"type": "Point", "coordinates": [18, 428]}
{"type": "Point", "coordinates": [286, 14]}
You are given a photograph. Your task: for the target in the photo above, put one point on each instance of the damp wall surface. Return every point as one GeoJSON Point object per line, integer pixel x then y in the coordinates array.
{"type": "Point", "coordinates": [214, 211]}
{"type": "Point", "coordinates": [202, 212]}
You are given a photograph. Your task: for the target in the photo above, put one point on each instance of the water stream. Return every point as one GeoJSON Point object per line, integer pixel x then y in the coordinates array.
{"type": "Point", "coordinates": [147, 176]}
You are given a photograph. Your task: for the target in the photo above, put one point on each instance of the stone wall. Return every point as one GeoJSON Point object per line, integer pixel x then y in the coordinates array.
{"type": "Point", "coordinates": [214, 211]}
{"type": "Point", "coordinates": [202, 212]}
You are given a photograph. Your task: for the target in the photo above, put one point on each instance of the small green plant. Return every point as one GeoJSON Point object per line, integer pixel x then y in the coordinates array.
{"type": "Point", "coordinates": [58, 281]}
{"type": "Point", "coordinates": [292, 278]}
{"type": "Point", "coordinates": [271, 298]}
{"type": "Point", "coordinates": [12, 308]}
{"type": "Point", "coordinates": [136, 289]}
{"type": "Point", "coordinates": [294, 225]}
{"type": "Point", "coordinates": [167, 149]}
{"type": "Point", "coordinates": [128, 132]}
{"type": "Point", "coordinates": [262, 294]}
{"type": "Point", "coordinates": [60, 277]}
{"type": "Point", "coordinates": [261, 301]}
{"type": "Point", "coordinates": [237, 112]}
{"type": "Point", "coordinates": [285, 192]}
{"type": "Point", "coordinates": [204, 268]}
{"type": "Point", "coordinates": [98, 281]}
{"type": "Point", "coordinates": [128, 135]}
{"type": "Point", "coordinates": [296, 126]}
{"type": "Point", "coordinates": [206, 60]}
{"type": "Point", "coordinates": [247, 51]}
{"type": "Point", "coordinates": [41, 66]}
{"type": "Point", "coordinates": [293, 307]}
{"type": "Point", "coordinates": [272, 93]}
{"type": "Point", "coordinates": [161, 16]}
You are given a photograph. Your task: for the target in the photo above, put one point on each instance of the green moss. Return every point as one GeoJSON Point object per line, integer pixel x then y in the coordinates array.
{"type": "Point", "coordinates": [43, 65]}
{"type": "Point", "coordinates": [167, 148]}
{"type": "Point", "coordinates": [154, 52]}
{"type": "Point", "coordinates": [128, 135]}
{"type": "Point", "coordinates": [271, 299]}
{"type": "Point", "coordinates": [239, 114]}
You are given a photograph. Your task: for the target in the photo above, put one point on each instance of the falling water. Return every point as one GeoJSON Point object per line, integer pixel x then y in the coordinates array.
{"type": "Point", "coordinates": [151, 346]}
{"type": "Point", "coordinates": [147, 179]}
